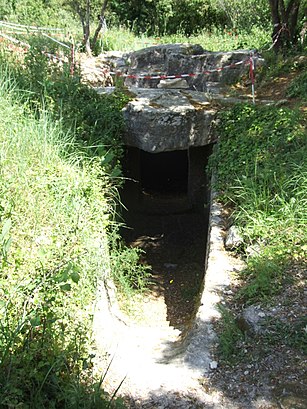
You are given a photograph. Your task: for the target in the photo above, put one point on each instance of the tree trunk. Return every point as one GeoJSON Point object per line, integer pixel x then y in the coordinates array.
{"type": "Point", "coordinates": [284, 19]}
{"type": "Point", "coordinates": [101, 23]}
{"type": "Point", "coordinates": [87, 29]}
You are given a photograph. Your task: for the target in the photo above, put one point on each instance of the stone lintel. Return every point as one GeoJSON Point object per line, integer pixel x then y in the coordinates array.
{"type": "Point", "coordinates": [159, 120]}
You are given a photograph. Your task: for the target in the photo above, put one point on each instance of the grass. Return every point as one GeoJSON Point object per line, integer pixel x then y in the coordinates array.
{"type": "Point", "coordinates": [58, 177]}
{"type": "Point", "coordinates": [261, 168]}
{"type": "Point", "coordinates": [262, 171]}
{"type": "Point", "coordinates": [54, 214]}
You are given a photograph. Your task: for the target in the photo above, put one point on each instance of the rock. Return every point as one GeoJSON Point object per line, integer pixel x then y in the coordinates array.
{"type": "Point", "coordinates": [174, 83]}
{"type": "Point", "coordinates": [159, 120]}
{"type": "Point", "coordinates": [251, 319]}
{"type": "Point", "coordinates": [174, 59]}
{"type": "Point", "coordinates": [233, 238]}
{"type": "Point", "coordinates": [213, 365]}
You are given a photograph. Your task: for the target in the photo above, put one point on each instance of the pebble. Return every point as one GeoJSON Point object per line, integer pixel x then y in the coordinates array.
{"type": "Point", "coordinates": [213, 365]}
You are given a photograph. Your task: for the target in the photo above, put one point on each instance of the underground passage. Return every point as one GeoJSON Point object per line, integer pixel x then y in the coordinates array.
{"type": "Point", "coordinates": [166, 198]}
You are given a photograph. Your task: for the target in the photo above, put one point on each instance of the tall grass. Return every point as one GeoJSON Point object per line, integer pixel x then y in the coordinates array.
{"type": "Point", "coordinates": [53, 214]}
{"type": "Point", "coordinates": [262, 172]}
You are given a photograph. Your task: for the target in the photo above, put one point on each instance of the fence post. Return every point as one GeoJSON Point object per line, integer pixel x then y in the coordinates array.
{"type": "Point", "coordinates": [252, 75]}
{"type": "Point", "coordinates": [72, 59]}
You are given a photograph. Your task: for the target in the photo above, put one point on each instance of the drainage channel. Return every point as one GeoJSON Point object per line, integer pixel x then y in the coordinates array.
{"type": "Point", "coordinates": [166, 196]}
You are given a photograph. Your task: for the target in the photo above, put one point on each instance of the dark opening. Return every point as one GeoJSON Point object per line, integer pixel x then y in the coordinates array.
{"type": "Point", "coordinates": [165, 172]}
{"type": "Point", "coordinates": [166, 212]}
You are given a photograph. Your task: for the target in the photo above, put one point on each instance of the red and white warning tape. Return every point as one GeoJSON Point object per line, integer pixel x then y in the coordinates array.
{"type": "Point", "coordinates": [249, 61]}
{"type": "Point", "coordinates": [166, 77]}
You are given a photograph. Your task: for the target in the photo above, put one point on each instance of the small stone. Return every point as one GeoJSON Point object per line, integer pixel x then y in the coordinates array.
{"type": "Point", "coordinates": [246, 372]}
{"type": "Point", "coordinates": [176, 83]}
{"type": "Point", "coordinates": [213, 365]}
{"type": "Point", "coordinates": [233, 238]}
{"type": "Point", "coordinates": [261, 314]}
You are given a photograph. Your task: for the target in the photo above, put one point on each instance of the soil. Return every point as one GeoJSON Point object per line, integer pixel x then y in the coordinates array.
{"type": "Point", "coordinates": [173, 237]}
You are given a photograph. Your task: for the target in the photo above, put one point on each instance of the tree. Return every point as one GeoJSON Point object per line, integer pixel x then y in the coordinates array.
{"type": "Point", "coordinates": [285, 21]}
{"type": "Point", "coordinates": [85, 9]}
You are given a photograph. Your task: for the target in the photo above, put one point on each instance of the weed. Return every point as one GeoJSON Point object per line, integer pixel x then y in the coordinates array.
{"type": "Point", "coordinates": [230, 337]}
{"type": "Point", "coordinates": [298, 87]}
{"type": "Point", "coordinates": [292, 334]}
{"type": "Point", "coordinates": [127, 271]}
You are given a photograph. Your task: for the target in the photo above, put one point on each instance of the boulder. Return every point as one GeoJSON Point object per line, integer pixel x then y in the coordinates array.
{"type": "Point", "coordinates": [175, 59]}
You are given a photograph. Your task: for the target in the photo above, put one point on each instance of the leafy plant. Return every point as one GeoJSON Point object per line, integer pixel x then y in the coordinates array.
{"type": "Point", "coordinates": [298, 87]}
{"type": "Point", "coordinates": [56, 205]}
{"type": "Point", "coordinates": [128, 272]}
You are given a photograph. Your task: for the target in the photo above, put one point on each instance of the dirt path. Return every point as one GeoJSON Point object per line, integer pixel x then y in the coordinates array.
{"type": "Point", "coordinates": [151, 354]}
{"type": "Point", "coordinates": [174, 239]}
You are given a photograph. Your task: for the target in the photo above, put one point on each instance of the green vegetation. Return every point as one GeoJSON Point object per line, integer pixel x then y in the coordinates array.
{"type": "Point", "coordinates": [261, 168]}
{"type": "Point", "coordinates": [262, 172]}
{"type": "Point", "coordinates": [60, 157]}
{"type": "Point", "coordinates": [54, 214]}
{"type": "Point", "coordinates": [298, 87]}
{"type": "Point", "coordinates": [134, 22]}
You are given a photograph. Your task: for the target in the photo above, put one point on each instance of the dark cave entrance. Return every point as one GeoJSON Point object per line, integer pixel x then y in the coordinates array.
{"type": "Point", "coordinates": [166, 199]}
{"type": "Point", "coordinates": [178, 178]}
{"type": "Point", "coordinates": [165, 172]}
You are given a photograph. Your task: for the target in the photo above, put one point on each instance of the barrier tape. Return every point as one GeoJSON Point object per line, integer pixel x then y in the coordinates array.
{"type": "Point", "coordinates": [252, 76]}
{"type": "Point", "coordinates": [13, 25]}
{"type": "Point", "coordinates": [56, 41]}
{"type": "Point", "coordinates": [249, 61]}
{"type": "Point", "coordinates": [54, 57]}
{"type": "Point", "coordinates": [14, 40]}
{"type": "Point", "coordinates": [166, 77]}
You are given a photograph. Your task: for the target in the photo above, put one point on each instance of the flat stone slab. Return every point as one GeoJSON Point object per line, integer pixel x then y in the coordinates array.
{"type": "Point", "coordinates": [159, 120]}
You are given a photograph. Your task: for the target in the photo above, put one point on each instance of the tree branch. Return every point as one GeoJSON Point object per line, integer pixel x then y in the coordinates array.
{"type": "Point", "coordinates": [100, 23]}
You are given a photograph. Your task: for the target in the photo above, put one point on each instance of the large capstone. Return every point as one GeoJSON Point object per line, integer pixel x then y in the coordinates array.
{"type": "Point", "coordinates": [159, 120]}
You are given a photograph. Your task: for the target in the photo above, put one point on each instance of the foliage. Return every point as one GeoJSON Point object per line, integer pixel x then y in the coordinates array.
{"type": "Point", "coordinates": [59, 171]}
{"type": "Point", "coordinates": [189, 17]}
{"type": "Point", "coordinates": [262, 170]}
{"type": "Point", "coordinates": [298, 87]}
{"type": "Point", "coordinates": [53, 219]}
{"type": "Point", "coordinates": [128, 273]}
{"type": "Point", "coordinates": [230, 337]}
{"type": "Point", "coordinates": [96, 119]}
{"type": "Point", "coordinates": [226, 40]}
{"type": "Point", "coordinates": [292, 334]}
{"type": "Point", "coordinates": [35, 13]}
{"type": "Point", "coordinates": [244, 14]}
